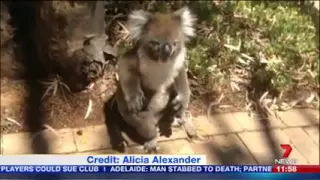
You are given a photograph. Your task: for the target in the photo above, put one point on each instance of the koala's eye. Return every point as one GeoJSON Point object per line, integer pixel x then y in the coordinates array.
{"type": "Point", "coordinates": [154, 44]}
{"type": "Point", "coordinates": [175, 43]}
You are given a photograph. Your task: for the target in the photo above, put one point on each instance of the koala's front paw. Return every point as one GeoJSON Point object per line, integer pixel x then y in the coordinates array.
{"type": "Point", "coordinates": [177, 103]}
{"type": "Point", "coordinates": [177, 122]}
{"type": "Point", "coordinates": [151, 146]}
{"type": "Point", "coordinates": [135, 103]}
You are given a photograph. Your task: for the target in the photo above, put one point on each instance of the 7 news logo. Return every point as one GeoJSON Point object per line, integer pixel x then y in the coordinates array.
{"type": "Point", "coordinates": [285, 160]}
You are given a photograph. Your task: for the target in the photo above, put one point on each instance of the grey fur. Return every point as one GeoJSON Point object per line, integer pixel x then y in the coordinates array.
{"type": "Point", "coordinates": [148, 90]}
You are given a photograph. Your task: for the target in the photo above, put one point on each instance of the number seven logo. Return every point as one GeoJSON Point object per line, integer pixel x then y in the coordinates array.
{"type": "Point", "coordinates": [287, 150]}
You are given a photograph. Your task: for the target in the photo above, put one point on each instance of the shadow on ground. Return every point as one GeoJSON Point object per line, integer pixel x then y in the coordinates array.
{"type": "Point", "coordinates": [23, 18]}
{"type": "Point", "coordinates": [231, 152]}
{"type": "Point", "coordinates": [34, 115]}
{"type": "Point", "coordinates": [232, 155]}
{"type": "Point", "coordinates": [114, 122]}
{"type": "Point", "coordinates": [116, 126]}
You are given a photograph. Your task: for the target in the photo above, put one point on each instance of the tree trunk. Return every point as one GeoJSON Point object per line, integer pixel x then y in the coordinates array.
{"type": "Point", "coordinates": [70, 37]}
{"type": "Point", "coordinates": [11, 64]}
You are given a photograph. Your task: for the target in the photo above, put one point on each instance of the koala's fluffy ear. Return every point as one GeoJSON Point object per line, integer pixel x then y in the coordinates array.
{"type": "Point", "coordinates": [187, 21]}
{"type": "Point", "coordinates": [137, 20]}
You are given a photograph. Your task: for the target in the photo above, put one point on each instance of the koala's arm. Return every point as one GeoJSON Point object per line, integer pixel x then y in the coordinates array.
{"type": "Point", "coordinates": [130, 84]}
{"type": "Point", "coordinates": [180, 93]}
{"type": "Point", "coordinates": [181, 88]}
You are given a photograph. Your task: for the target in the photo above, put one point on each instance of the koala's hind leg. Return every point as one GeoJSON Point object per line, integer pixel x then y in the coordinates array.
{"type": "Point", "coordinates": [147, 128]}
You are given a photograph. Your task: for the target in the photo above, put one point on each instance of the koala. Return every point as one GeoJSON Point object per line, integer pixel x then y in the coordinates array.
{"type": "Point", "coordinates": [152, 76]}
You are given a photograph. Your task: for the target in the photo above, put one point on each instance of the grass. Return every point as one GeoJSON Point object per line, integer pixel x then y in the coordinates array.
{"type": "Point", "coordinates": [240, 45]}
{"type": "Point", "coordinates": [274, 36]}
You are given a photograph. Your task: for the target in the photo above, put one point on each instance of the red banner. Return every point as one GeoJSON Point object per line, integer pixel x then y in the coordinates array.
{"type": "Point", "coordinates": [296, 169]}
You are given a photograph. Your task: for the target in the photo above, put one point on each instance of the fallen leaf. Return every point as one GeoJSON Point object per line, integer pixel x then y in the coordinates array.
{"type": "Point", "coordinates": [234, 86]}
{"type": "Point", "coordinates": [117, 76]}
{"type": "Point", "coordinates": [89, 109]}
{"type": "Point", "coordinates": [13, 121]}
{"type": "Point", "coordinates": [224, 106]}
{"type": "Point", "coordinates": [310, 98]}
{"type": "Point", "coordinates": [51, 129]}
{"type": "Point", "coordinates": [294, 103]}
{"type": "Point", "coordinates": [236, 48]}
{"type": "Point", "coordinates": [263, 97]}
{"type": "Point", "coordinates": [241, 61]}
{"type": "Point", "coordinates": [247, 57]}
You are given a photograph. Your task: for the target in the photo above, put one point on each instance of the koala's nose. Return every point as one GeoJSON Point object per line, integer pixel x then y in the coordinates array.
{"type": "Point", "coordinates": [167, 49]}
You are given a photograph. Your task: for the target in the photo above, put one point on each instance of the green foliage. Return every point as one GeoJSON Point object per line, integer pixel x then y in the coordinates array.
{"type": "Point", "coordinates": [273, 33]}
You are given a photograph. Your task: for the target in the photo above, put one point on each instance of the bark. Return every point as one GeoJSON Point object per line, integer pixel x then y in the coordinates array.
{"type": "Point", "coordinates": [11, 59]}
{"type": "Point", "coordinates": [70, 39]}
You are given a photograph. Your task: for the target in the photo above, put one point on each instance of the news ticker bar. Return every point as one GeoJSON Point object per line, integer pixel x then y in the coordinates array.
{"type": "Point", "coordinates": [158, 169]}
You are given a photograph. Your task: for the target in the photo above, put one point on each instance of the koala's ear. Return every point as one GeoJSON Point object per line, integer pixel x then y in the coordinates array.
{"type": "Point", "coordinates": [187, 20]}
{"type": "Point", "coordinates": [137, 20]}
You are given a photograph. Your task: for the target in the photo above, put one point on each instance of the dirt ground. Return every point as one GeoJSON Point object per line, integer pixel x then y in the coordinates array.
{"type": "Point", "coordinates": [60, 111]}
{"type": "Point", "coordinates": [68, 110]}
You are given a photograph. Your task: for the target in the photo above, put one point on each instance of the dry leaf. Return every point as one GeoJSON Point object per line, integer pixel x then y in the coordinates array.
{"type": "Point", "coordinates": [51, 129]}
{"type": "Point", "coordinates": [294, 103]}
{"type": "Point", "coordinates": [299, 76]}
{"type": "Point", "coordinates": [310, 98]}
{"type": "Point", "coordinates": [90, 86]}
{"type": "Point", "coordinates": [262, 58]}
{"type": "Point", "coordinates": [13, 121]}
{"type": "Point", "coordinates": [117, 76]}
{"type": "Point", "coordinates": [241, 61]}
{"type": "Point", "coordinates": [48, 128]}
{"type": "Point", "coordinates": [89, 109]}
{"type": "Point", "coordinates": [311, 73]}
{"type": "Point", "coordinates": [263, 97]}
{"type": "Point", "coordinates": [236, 48]}
{"type": "Point", "coordinates": [224, 106]}
{"type": "Point", "coordinates": [247, 57]}
{"type": "Point", "coordinates": [65, 86]}
{"type": "Point", "coordinates": [234, 86]}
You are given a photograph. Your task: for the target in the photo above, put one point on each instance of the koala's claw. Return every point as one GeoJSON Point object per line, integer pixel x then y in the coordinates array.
{"type": "Point", "coordinates": [151, 146]}
{"type": "Point", "coordinates": [177, 122]}
{"type": "Point", "coordinates": [136, 104]}
{"type": "Point", "coordinates": [187, 126]}
{"type": "Point", "coordinates": [152, 151]}
{"type": "Point", "coordinates": [176, 104]}
{"type": "Point", "coordinates": [125, 143]}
